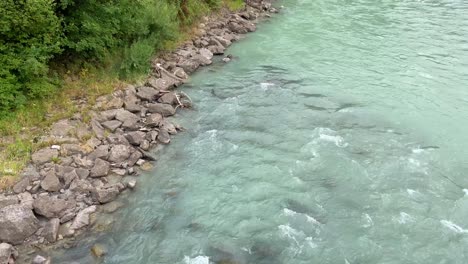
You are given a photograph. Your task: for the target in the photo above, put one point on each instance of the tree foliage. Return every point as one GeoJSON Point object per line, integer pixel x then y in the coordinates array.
{"type": "Point", "coordinates": [34, 33]}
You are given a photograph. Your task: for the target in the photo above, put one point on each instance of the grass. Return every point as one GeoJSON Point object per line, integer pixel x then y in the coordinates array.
{"type": "Point", "coordinates": [21, 129]}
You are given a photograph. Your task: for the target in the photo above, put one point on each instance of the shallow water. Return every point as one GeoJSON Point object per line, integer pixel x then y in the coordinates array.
{"type": "Point", "coordinates": [338, 135]}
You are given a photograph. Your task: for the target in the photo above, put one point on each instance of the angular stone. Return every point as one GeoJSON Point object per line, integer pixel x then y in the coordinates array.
{"type": "Point", "coordinates": [152, 136]}
{"type": "Point", "coordinates": [217, 49]}
{"type": "Point", "coordinates": [202, 60]}
{"type": "Point", "coordinates": [163, 136]}
{"type": "Point", "coordinates": [112, 125]}
{"type": "Point", "coordinates": [51, 229]}
{"type": "Point", "coordinates": [82, 186]}
{"type": "Point", "coordinates": [134, 158]}
{"type": "Point", "coordinates": [69, 177]}
{"type": "Point", "coordinates": [189, 65]}
{"type": "Point", "coordinates": [206, 53]}
{"type": "Point", "coordinates": [179, 72]}
{"type": "Point", "coordinates": [163, 109]}
{"type": "Point", "coordinates": [107, 195]}
{"type": "Point", "coordinates": [168, 126]}
{"type": "Point", "coordinates": [17, 223]}
{"type": "Point", "coordinates": [8, 253]}
{"type": "Point", "coordinates": [38, 259]}
{"type": "Point", "coordinates": [100, 152]}
{"type": "Point", "coordinates": [147, 93]}
{"type": "Point", "coordinates": [132, 107]}
{"type": "Point", "coordinates": [100, 169]}
{"type": "Point", "coordinates": [62, 128]}
{"type": "Point", "coordinates": [119, 153]}
{"type": "Point", "coordinates": [71, 149]}
{"type": "Point", "coordinates": [52, 207]}
{"type": "Point", "coordinates": [169, 98]}
{"type": "Point", "coordinates": [8, 200]}
{"type": "Point", "coordinates": [44, 155]}
{"type": "Point", "coordinates": [135, 138]}
{"type": "Point", "coordinates": [82, 218]}
{"type": "Point", "coordinates": [145, 145]}
{"type": "Point", "coordinates": [154, 119]}
{"type": "Point", "coordinates": [51, 183]}
{"type": "Point", "coordinates": [82, 173]}
{"type": "Point", "coordinates": [97, 129]}
{"type": "Point", "coordinates": [21, 186]}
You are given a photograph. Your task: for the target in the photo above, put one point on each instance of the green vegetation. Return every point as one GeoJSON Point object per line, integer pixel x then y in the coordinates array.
{"type": "Point", "coordinates": [56, 52]}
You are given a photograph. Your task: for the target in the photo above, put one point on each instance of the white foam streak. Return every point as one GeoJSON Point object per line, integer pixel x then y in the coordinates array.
{"type": "Point", "coordinates": [197, 260]}
{"type": "Point", "coordinates": [454, 227]}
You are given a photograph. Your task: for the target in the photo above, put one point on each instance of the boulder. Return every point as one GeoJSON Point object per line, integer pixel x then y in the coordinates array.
{"type": "Point", "coordinates": [100, 168]}
{"type": "Point", "coordinates": [162, 84]}
{"type": "Point", "coordinates": [69, 177]}
{"type": "Point", "coordinates": [203, 61]}
{"type": "Point", "coordinates": [51, 183]}
{"type": "Point", "coordinates": [180, 73]}
{"type": "Point", "coordinates": [71, 149]}
{"type": "Point", "coordinates": [62, 128]}
{"type": "Point", "coordinates": [217, 49]}
{"type": "Point", "coordinates": [119, 153]}
{"type": "Point", "coordinates": [97, 128]}
{"type": "Point", "coordinates": [147, 93]}
{"type": "Point", "coordinates": [163, 109]}
{"type": "Point", "coordinates": [8, 253]}
{"type": "Point", "coordinates": [51, 229]}
{"type": "Point", "coordinates": [79, 185]}
{"type": "Point", "coordinates": [107, 195]}
{"type": "Point", "coordinates": [44, 155]}
{"type": "Point", "coordinates": [153, 120]}
{"type": "Point", "coordinates": [82, 218]}
{"type": "Point", "coordinates": [8, 200]}
{"type": "Point", "coordinates": [169, 98]}
{"type": "Point", "coordinates": [168, 126]}
{"type": "Point", "coordinates": [129, 120]}
{"type": "Point", "coordinates": [132, 107]}
{"type": "Point", "coordinates": [100, 152]}
{"type": "Point", "coordinates": [52, 207]}
{"type": "Point", "coordinates": [206, 53]}
{"type": "Point", "coordinates": [21, 186]}
{"type": "Point", "coordinates": [136, 137]}
{"type": "Point", "coordinates": [189, 65]}
{"type": "Point", "coordinates": [112, 125]}
{"type": "Point", "coordinates": [134, 158]}
{"type": "Point", "coordinates": [17, 223]}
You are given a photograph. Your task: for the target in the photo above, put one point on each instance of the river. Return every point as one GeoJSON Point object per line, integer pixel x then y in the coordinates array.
{"type": "Point", "coordinates": [337, 134]}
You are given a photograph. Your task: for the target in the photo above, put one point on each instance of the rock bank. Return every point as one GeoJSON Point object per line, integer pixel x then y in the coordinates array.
{"type": "Point", "coordinates": [88, 160]}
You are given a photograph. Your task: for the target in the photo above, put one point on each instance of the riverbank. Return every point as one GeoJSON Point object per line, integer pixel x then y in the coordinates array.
{"type": "Point", "coordinates": [90, 159]}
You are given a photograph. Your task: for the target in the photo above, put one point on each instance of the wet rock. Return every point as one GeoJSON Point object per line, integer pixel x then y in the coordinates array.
{"type": "Point", "coordinates": [99, 250]}
{"type": "Point", "coordinates": [100, 169]}
{"type": "Point", "coordinates": [135, 138]}
{"type": "Point", "coordinates": [8, 253]}
{"type": "Point", "coordinates": [217, 49]}
{"type": "Point", "coordinates": [44, 155]}
{"type": "Point", "coordinates": [134, 157]}
{"type": "Point", "coordinates": [131, 184]}
{"type": "Point", "coordinates": [51, 183]}
{"type": "Point", "coordinates": [51, 229]}
{"type": "Point", "coordinates": [119, 153]}
{"type": "Point", "coordinates": [112, 125]}
{"type": "Point", "coordinates": [168, 126]}
{"type": "Point", "coordinates": [147, 93]}
{"type": "Point", "coordinates": [202, 60]}
{"type": "Point", "coordinates": [40, 260]}
{"type": "Point", "coordinates": [107, 195]}
{"type": "Point", "coordinates": [163, 136]}
{"type": "Point", "coordinates": [154, 119]}
{"type": "Point", "coordinates": [163, 109]}
{"type": "Point", "coordinates": [169, 98]}
{"type": "Point", "coordinates": [17, 223]}
{"type": "Point", "coordinates": [111, 207]}
{"type": "Point", "coordinates": [52, 207]}
{"type": "Point", "coordinates": [8, 200]}
{"type": "Point", "coordinates": [82, 218]}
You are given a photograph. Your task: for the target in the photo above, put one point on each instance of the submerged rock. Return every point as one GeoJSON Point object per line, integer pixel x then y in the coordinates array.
{"type": "Point", "coordinates": [99, 250]}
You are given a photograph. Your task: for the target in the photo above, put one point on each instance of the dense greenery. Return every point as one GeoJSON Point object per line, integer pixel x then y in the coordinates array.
{"type": "Point", "coordinates": [35, 34]}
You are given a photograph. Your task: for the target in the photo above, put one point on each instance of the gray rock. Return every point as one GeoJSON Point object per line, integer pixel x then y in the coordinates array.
{"type": "Point", "coordinates": [38, 259]}
{"type": "Point", "coordinates": [71, 149]}
{"type": "Point", "coordinates": [217, 49]}
{"type": "Point", "coordinates": [131, 184]}
{"type": "Point", "coordinates": [51, 229]}
{"type": "Point", "coordinates": [82, 218]}
{"type": "Point", "coordinates": [223, 41]}
{"type": "Point", "coordinates": [26, 200]}
{"type": "Point", "coordinates": [189, 65]}
{"type": "Point", "coordinates": [179, 72]}
{"type": "Point", "coordinates": [97, 129]}
{"type": "Point", "coordinates": [112, 125]}
{"type": "Point", "coordinates": [69, 177]}
{"type": "Point", "coordinates": [152, 136]}
{"type": "Point", "coordinates": [8, 253]}
{"type": "Point", "coordinates": [44, 155]}
{"type": "Point", "coordinates": [119, 153]}
{"type": "Point", "coordinates": [117, 140]}
{"type": "Point", "coordinates": [101, 152]}
{"type": "Point", "coordinates": [169, 98]}
{"type": "Point", "coordinates": [82, 173]}
{"type": "Point", "coordinates": [163, 109]}
{"type": "Point", "coordinates": [129, 119]}
{"type": "Point", "coordinates": [79, 185]}
{"type": "Point", "coordinates": [62, 128]}
{"type": "Point", "coordinates": [17, 223]}
{"type": "Point", "coordinates": [202, 60]}
{"type": "Point", "coordinates": [100, 169]}
{"type": "Point", "coordinates": [163, 136]}
{"type": "Point", "coordinates": [206, 53]}
{"type": "Point", "coordinates": [154, 119]}
{"type": "Point", "coordinates": [147, 93]}
{"type": "Point", "coordinates": [132, 107]}
{"type": "Point", "coordinates": [52, 207]}
{"type": "Point", "coordinates": [135, 138]}
{"type": "Point", "coordinates": [107, 195]}
{"type": "Point", "coordinates": [162, 84]}
{"type": "Point", "coordinates": [168, 126]}
{"type": "Point", "coordinates": [21, 186]}
{"type": "Point", "coordinates": [145, 145]}
{"type": "Point", "coordinates": [51, 183]}
{"type": "Point", "coordinates": [134, 158]}
{"type": "Point", "coordinates": [8, 200]}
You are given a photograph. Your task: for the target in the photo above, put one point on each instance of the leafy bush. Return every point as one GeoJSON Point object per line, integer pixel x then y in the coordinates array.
{"type": "Point", "coordinates": [36, 33]}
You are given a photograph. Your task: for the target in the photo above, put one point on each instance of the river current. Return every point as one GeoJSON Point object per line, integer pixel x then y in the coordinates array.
{"type": "Point", "coordinates": [338, 134]}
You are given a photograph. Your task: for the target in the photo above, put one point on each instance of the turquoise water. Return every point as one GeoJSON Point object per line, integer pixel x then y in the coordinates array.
{"type": "Point", "coordinates": [339, 134]}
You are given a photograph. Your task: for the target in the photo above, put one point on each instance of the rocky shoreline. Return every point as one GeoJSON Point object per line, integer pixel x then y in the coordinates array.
{"type": "Point", "coordinates": [89, 160]}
